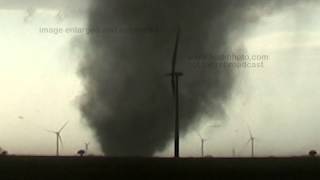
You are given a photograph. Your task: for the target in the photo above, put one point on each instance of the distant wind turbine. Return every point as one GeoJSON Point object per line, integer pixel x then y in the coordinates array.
{"type": "Point", "coordinates": [234, 150]}
{"type": "Point", "coordinates": [203, 140]}
{"type": "Point", "coordinates": [87, 147]}
{"type": "Point", "coordinates": [59, 139]}
{"type": "Point", "coordinates": [252, 140]}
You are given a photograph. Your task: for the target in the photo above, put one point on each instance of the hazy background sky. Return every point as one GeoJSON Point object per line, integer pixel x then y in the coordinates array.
{"type": "Point", "coordinates": [39, 81]}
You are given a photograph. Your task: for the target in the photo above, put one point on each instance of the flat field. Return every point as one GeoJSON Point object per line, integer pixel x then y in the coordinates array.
{"type": "Point", "coordinates": [65, 168]}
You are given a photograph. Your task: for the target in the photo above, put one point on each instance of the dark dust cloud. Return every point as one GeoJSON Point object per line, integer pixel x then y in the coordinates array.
{"type": "Point", "coordinates": [128, 100]}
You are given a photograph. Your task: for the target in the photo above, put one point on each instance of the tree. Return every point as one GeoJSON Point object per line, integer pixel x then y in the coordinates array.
{"type": "Point", "coordinates": [81, 152]}
{"type": "Point", "coordinates": [4, 153]}
{"type": "Point", "coordinates": [313, 153]}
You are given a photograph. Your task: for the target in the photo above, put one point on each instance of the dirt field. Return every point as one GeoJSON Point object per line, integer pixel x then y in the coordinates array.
{"type": "Point", "coordinates": [44, 168]}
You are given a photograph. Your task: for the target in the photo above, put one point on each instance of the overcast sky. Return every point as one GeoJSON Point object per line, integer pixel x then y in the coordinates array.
{"type": "Point", "coordinates": [39, 82]}
{"type": "Point", "coordinates": [44, 4]}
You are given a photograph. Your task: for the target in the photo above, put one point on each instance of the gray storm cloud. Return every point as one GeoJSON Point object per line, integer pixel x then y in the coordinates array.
{"type": "Point", "coordinates": [72, 8]}
{"type": "Point", "coordinates": [46, 4]}
{"type": "Point", "coordinates": [128, 100]}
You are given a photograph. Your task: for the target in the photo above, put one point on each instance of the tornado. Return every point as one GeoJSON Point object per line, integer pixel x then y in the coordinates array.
{"type": "Point", "coordinates": [128, 100]}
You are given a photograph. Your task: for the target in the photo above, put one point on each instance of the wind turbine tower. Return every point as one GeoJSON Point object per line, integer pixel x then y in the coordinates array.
{"type": "Point", "coordinates": [87, 148]}
{"type": "Point", "coordinates": [175, 88]}
{"type": "Point", "coordinates": [234, 153]}
{"type": "Point", "coordinates": [252, 145]}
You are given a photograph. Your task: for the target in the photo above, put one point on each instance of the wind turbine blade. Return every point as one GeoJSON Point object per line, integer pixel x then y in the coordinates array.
{"type": "Point", "coordinates": [174, 60]}
{"type": "Point", "coordinates": [248, 142]}
{"type": "Point", "coordinates": [198, 134]}
{"type": "Point", "coordinates": [50, 131]}
{"type": "Point", "coordinates": [249, 130]}
{"type": "Point", "coordinates": [65, 124]}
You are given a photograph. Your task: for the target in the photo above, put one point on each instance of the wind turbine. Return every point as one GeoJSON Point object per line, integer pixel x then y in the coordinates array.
{"type": "Point", "coordinates": [234, 150]}
{"type": "Point", "coordinates": [203, 140]}
{"type": "Point", "coordinates": [175, 88]}
{"type": "Point", "coordinates": [87, 147]}
{"type": "Point", "coordinates": [59, 139]}
{"type": "Point", "coordinates": [252, 140]}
